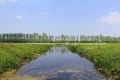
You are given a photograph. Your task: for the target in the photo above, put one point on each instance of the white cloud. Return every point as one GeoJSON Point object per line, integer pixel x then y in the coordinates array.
{"type": "Point", "coordinates": [19, 17]}
{"type": "Point", "coordinates": [44, 13]}
{"type": "Point", "coordinates": [2, 1]}
{"type": "Point", "coordinates": [113, 17]}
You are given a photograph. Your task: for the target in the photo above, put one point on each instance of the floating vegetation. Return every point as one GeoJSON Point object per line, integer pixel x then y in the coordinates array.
{"type": "Point", "coordinates": [17, 77]}
{"type": "Point", "coordinates": [69, 71]}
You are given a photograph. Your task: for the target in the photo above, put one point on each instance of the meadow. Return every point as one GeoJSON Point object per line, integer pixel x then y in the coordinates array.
{"type": "Point", "coordinates": [12, 55]}
{"type": "Point", "coordinates": [106, 56]}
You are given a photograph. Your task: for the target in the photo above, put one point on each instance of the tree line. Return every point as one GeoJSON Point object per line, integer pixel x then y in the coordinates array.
{"type": "Point", "coordinates": [35, 37]}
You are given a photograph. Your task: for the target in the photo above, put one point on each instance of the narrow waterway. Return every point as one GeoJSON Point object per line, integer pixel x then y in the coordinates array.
{"type": "Point", "coordinates": [58, 63]}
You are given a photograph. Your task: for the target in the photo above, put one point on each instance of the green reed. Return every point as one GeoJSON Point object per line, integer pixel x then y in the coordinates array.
{"type": "Point", "coordinates": [11, 55]}
{"type": "Point", "coordinates": [106, 57]}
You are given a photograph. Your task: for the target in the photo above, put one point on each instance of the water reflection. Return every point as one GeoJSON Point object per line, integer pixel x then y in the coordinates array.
{"type": "Point", "coordinates": [58, 50]}
{"type": "Point", "coordinates": [60, 64]}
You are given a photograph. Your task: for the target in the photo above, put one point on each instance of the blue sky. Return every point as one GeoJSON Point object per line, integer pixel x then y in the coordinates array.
{"type": "Point", "coordinates": [55, 17]}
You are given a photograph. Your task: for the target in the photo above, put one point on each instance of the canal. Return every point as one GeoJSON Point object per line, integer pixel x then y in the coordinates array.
{"type": "Point", "coordinates": [58, 63]}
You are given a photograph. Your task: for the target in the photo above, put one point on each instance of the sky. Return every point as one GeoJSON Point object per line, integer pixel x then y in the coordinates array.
{"type": "Point", "coordinates": [56, 17]}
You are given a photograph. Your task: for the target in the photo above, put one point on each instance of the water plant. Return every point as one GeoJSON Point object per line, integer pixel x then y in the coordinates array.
{"type": "Point", "coordinates": [11, 55]}
{"type": "Point", "coordinates": [106, 57]}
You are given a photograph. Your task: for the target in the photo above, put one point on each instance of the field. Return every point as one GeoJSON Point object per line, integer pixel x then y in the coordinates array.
{"type": "Point", "coordinates": [12, 55]}
{"type": "Point", "coordinates": [106, 56]}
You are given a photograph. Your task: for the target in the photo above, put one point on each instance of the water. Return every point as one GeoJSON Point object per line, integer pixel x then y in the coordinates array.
{"type": "Point", "coordinates": [60, 64]}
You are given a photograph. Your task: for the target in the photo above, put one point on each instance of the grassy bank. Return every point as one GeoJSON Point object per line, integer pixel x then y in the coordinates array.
{"type": "Point", "coordinates": [11, 55]}
{"type": "Point", "coordinates": [105, 56]}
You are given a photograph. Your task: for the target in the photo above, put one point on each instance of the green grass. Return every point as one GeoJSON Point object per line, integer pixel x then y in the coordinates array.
{"type": "Point", "coordinates": [106, 57]}
{"type": "Point", "coordinates": [11, 55]}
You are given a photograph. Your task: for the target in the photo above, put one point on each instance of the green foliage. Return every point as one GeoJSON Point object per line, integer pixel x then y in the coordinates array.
{"type": "Point", "coordinates": [44, 38]}
{"type": "Point", "coordinates": [105, 56]}
{"type": "Point", "coordinates": [11, 55]}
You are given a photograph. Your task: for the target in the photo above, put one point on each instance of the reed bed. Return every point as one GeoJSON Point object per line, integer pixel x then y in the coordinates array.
{"type": "Point", "coordinates": [106, 57]}
{"type": "Point", "coordinates": [11, 55]}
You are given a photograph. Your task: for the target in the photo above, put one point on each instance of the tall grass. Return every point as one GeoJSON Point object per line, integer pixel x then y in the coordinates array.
{"type": "Point", "coordinates": [105, 56]}
{"type": "Point", "coordinates": [11, 55]}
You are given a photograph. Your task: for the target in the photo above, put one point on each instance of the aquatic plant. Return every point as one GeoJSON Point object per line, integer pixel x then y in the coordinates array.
{"type": "Point", "coordinates": [11, 55]}
{"type": "Point", "coordinates": [106, 57]}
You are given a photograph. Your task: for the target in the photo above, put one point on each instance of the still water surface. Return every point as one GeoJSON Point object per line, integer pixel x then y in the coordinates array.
{"type": "Point", "coordinates": [58, 63]}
